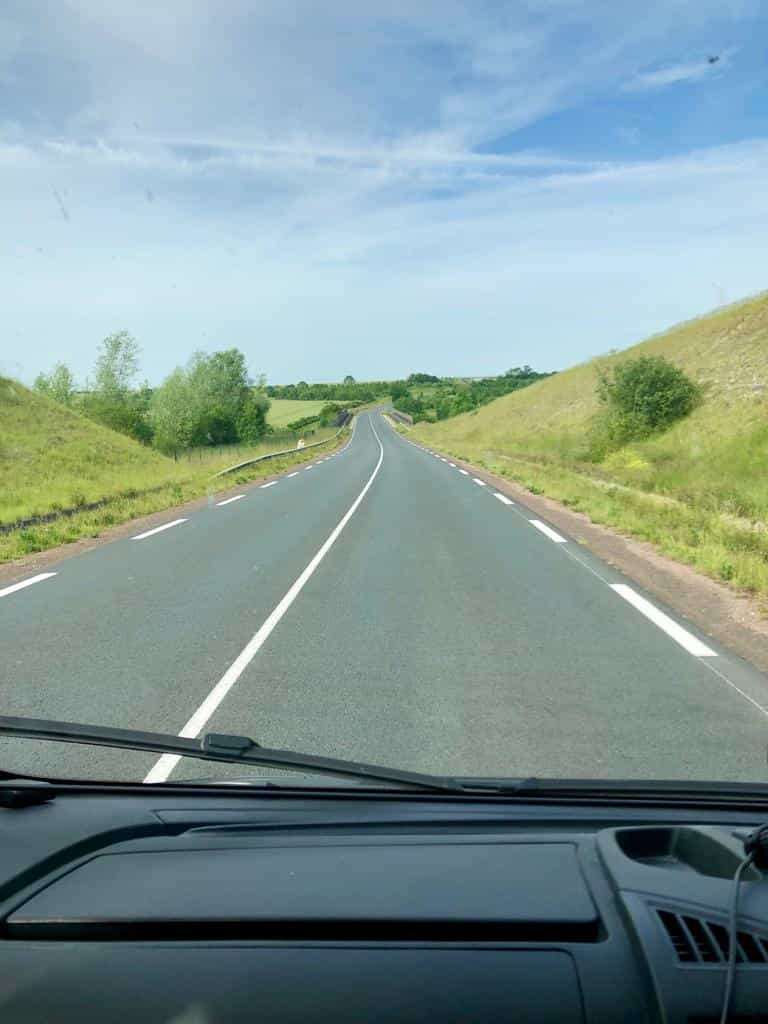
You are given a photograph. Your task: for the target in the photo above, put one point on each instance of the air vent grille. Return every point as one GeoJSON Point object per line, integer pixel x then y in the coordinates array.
{"type": "Point", "coordinates": [697, 941]}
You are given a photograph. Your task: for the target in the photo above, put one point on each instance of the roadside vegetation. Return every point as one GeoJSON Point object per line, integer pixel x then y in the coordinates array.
{"type": "Point", "coordinates": [667, 441]}
{"type": "Point", "coordinates": [209, 401]}
{"type": "Point", "coordinates": [299, 417]}
{"type": "Point", "coordinates": [349, 390]}
{"type": "Point", "coordinates": [427, 398]}
{"type": "Point", "coordinates": [54, 460]}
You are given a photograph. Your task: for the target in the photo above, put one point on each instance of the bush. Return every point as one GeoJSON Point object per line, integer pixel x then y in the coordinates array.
{"type": "Point", "coordinates": [640, 397]}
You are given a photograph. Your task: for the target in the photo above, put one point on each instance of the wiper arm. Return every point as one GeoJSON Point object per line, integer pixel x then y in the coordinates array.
{"type": "Point", "coordinates": [218, 747]}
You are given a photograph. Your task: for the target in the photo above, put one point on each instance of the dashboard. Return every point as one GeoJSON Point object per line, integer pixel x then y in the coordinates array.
{"type": "Point", "coordinates": [188, 907]}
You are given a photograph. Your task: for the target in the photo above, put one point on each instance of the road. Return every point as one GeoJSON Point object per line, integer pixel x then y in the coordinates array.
{"type": "Point", "coordinates": [382, 605]}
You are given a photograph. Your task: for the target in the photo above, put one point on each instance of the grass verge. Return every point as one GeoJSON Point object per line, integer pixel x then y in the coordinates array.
{"type": "Point", "coordinates": [127, 505]}
{"type": "Point", "coordinates": [698, 491]}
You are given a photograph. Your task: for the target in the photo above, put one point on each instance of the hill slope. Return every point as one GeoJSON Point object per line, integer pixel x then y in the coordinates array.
{"type": "Point", "coordinates": [52, 458]}
{"type": "Point", "coordinates": [699, 490]}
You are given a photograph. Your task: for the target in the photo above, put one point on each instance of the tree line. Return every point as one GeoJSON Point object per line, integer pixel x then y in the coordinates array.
{"type": "Point", "coordinates": [209, 401]}
{"type": "Point", "coordinates": [349, 390]}
{"type": "Point", "coordinates": [451, 396]}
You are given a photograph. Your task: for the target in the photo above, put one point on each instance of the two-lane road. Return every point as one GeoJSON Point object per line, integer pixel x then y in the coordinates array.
{"type": "Point", "coordinates": [383, 605]}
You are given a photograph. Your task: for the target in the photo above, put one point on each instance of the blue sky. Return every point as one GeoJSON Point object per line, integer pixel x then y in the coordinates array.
{"type": "Point", "coordinates": [375, 189]}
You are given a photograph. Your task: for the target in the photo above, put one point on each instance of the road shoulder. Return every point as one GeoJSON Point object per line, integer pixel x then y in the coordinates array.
{"type": "Point", "coordinates": [734, 620]}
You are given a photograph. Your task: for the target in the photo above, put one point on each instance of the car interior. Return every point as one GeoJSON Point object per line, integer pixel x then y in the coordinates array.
{"type": "Point", "coordinates": [365, 900]}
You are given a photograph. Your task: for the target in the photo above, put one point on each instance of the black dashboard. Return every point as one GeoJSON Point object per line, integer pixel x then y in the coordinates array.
{"type": "Point", "coordinates": [186, 907]}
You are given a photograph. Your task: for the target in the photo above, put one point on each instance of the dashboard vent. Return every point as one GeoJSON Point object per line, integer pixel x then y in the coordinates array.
{"type": "Point", "coordinates": [697, 941]}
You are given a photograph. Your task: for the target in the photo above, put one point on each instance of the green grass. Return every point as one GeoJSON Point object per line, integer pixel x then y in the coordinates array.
{"type": "Point", "coordinates": [283, 411]}
{"type": "Point", "coordinates": [53, 459]}
{"type": "Point", "coordinates": [699, 491]}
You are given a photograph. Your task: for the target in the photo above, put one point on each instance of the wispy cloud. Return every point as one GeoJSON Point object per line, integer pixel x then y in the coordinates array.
{"type": "Point", "coordinates": [340, 189]}
{"type": "Point", "coordinates": [673, 74]}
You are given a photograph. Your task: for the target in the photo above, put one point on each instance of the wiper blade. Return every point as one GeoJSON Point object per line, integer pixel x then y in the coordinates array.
{"type": "Point", "coordinates": [219, 747]}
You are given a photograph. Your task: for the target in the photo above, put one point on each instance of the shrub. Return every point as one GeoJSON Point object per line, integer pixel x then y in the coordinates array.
{"type": "Point", "coordinates": [640, 397]}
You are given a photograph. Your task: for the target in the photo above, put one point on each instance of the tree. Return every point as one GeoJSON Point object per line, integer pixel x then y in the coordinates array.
{"type": "Point", "coordinates": [110, 400]}
{"type": "Point", "coordinates": [117, 365]}
{"type": "Point", "coordinates": [252, 419]}
{"type": "Point", "coordinates": [219, 389]}
{"type": "Point", "coordinates": [171, 414]}
{"type": "Point", "coordinates": [349, 379]}
{"type": "Point", "coordinates": [58, 385]}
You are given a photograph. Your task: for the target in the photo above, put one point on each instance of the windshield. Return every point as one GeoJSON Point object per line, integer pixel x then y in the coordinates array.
{"type": "Point", "coordinates": [386, 382]}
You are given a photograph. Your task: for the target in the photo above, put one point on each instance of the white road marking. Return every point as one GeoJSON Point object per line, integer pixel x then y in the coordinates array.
{"type": "Point", "coordinates": [228, 501]}
{"type": "Point", "coordinates": [480, 483]}
{"type": "Point", "coordinates": [687, 640]}
{"type": "Point", "coordinates": [167, 762]}
{"type": "Point", "coordinates": [464, 472]}
{"type": "Point", "coordinates": [503, 498]}
{"type": "Point", "coordinates": [158, 529]}
{"type": "Point", "coordinates": [548, 531]}
{"type": "Point", "coordinates": [452, 465]}
{"type": "Point", "coordinates": [309, 467]}
{"type": "Point", "coordinates": [270, 484]}
{"type": "Point", "coordinates": [292, 474]}
{"type": "Point", "coordinates": [26, 583]}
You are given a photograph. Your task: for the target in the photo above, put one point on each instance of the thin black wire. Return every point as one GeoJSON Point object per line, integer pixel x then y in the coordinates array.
{"type": "Point", "coordinates": [733, 937]}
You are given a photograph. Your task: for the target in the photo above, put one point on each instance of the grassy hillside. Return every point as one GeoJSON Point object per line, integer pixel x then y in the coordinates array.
{"type": "Point", "coordinates": [283, 411]}
{"type": "Point", "coordinates": [53, 459]}
{"type": "Point", "coordinates": [699, 490]}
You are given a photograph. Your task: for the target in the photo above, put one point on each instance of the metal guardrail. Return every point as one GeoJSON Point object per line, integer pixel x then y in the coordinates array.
{"type": "Point", "coordinates": [275, 455]}
{"type": "Point", "coordinates": [401, 417]}
{"type": "Point", "coordinates": [92, 506]}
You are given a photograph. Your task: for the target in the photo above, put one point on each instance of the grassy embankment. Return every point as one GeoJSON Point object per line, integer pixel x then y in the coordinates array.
{"type": "Point", "coordinates": [283, 411]}
{"type": "Point", "coordinates": [699, 491]}
{"type": "Point", "coordinates": [53, 459]}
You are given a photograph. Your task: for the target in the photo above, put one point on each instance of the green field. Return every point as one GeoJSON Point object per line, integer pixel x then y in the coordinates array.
{"type": "Point", "coordinates": [53, 459]}
{"type": "Point", "coordinates": [283, 411]}
{"type": "Point", "coordinates": [699, 491]}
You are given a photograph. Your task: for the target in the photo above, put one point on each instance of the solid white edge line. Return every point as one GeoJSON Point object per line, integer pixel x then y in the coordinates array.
{"type": "Point", "coordinates": [158, 529]}
{"type": "Point", "coordinates": [26, 583]}
{"type": "Point", "coordinates": [503, 498]}
{"type": "Point", "coordinates": [481, 483]}
{"type": "Point", "coordinates": [270, 484]}
{"type": "Point", "coordinates": [228, 501]}
{"type": "Point", "coordinates": [167, 762]}
{"type": "Point", "coordinates": [687, 640]}
{"type": "Point", "coordinates": [548, 531]}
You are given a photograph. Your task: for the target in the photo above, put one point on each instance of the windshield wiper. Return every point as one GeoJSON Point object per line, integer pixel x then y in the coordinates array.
{"type": "Point", "coordinates": [219, 747]}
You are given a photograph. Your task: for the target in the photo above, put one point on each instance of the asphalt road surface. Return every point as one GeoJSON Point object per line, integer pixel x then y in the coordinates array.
{"type": "Point", "coordinates": [381, 605]}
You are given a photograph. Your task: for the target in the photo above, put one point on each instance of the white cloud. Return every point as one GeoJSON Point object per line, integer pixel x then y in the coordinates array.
{"type": "Point", "coordinates": [692, 71]}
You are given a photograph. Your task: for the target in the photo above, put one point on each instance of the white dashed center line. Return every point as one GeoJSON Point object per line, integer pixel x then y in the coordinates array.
{"type": "Point", "coordinates": [228, 501]}
{"type": "Point", "coordinates": [464, 472]}
{"type": "Point", "coordinates": [270, 484]}
{"type": "Point", "coordinates": [167, 762]}
{"type": "Point", "coordinates": [480, 483]}
{"type": "Point", "coordinates": [158, 529]}
{"type": "Point", "coordinates": [503, 498]}
{"type": "Point", "coordinates": [292, 474]}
